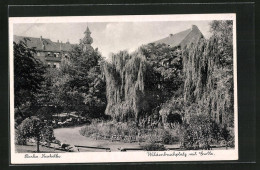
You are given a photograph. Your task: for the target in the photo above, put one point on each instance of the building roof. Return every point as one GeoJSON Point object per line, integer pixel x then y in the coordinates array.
{"type": "Point", "coordinates": [44, 44]}
{"type": "Point", "coordinates": [183, 38]}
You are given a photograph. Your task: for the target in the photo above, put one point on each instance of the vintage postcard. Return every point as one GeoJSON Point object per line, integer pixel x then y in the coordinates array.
{"type": "Point", "coordinates": [141, 88]}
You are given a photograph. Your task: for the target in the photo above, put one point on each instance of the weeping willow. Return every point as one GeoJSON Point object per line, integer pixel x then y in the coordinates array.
{"type": "Point", "coordinates": [208, 86]}
{"type": "Point", "coordinates": [205, 72]}
{"type": "Point", "coordinates": [125, 85]}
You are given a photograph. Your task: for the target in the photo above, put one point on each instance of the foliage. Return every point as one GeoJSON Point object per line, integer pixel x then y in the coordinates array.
{"type": "Point", "coordinates": [125, 86]}
{"type": "Point", "coordinates": [78, 85]}
{"type": "Point", "coordinates": [106, 130]}
{"type": "Point", "coordinates": [196, 134]}
{"type": "Point", "coordinates": [201, 132]}
{"type": "Point", "coordinates": [167, 138]}
{"type": "Point", "coordinates": [109, 128]}
{"type": "Point", "coordinates": [28, 76]}
{"type": "Point", "coordinates": [138, 83]}
{"type": "Point", "coordinates": [33, 127]}
{"type": "Point", "coordinates": [208, 72]}
{"type": "Point", "coordinates": [223, 32]}
{"type": "Point", "coordinates": [20, 139]}
{"type": "Point", "coordinates": [85, 88]}
{"type": "Point", "coordinates": [165, 71]}
{"type": "Point", "coordinates": [172, 111]}
{"type": "Point", "coordinates": [228, 136]}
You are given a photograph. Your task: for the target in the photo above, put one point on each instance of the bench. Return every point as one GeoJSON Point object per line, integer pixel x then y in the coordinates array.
{"type": "Point", "coordinates": [130, 149]}
{"type": "Point", "coordinates": [92, 147]}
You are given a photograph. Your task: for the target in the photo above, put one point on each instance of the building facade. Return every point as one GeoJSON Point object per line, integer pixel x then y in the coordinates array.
{"type": "Point", "coordinates": [47, 51]}
{"type": "Point", "coordinates": [54, 53]}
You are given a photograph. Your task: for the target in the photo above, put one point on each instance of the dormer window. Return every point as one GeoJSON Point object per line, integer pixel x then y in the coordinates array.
{"type": "Point", "coordinates": [49, 53]}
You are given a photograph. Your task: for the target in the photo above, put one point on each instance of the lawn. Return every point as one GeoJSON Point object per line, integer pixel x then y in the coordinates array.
{"type": "Point", "coordinates": [31, 148]}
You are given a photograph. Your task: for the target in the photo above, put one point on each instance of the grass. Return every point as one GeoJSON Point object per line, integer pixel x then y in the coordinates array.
{"type": "Point", "coordinates": [32, 149]}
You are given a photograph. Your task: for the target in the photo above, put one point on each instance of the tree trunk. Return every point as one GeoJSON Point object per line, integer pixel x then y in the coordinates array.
{"type": "Point", "coordinates": [38, 145]}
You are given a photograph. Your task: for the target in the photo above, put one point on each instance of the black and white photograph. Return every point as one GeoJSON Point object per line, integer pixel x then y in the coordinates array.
{"type": "Point", "coordinates": [138, 88]}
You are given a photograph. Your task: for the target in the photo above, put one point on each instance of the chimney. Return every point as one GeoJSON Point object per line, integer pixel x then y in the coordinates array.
{"type": "Point", "coordinates": [58, 41]}
{"type": "Point", "coordinates": [170, 35]}
{"type": "Point", "coordinates": [194, 27]}
{"type": "Point", "coordinates": [41, 38]}
{"type": "Point", "coordinates": [80, 41]}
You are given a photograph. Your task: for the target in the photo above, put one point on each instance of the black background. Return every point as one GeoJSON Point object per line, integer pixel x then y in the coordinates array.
{"type": "Point", "coordinates": [246, 72]}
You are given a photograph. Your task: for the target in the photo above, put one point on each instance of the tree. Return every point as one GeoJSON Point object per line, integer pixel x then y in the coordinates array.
{"type": "Point", "coordinates": [33, 127]}
{"type": "Point", "coordinates": [208, 74]}
{"type": "Point", "coordinates": [165, 71]}
{"type": "Point", "coordinates": [223, 32]}
{"type": "Point", "coordinates": [79, 85]}
{"type": "Point", "coordinates": [28, 76]}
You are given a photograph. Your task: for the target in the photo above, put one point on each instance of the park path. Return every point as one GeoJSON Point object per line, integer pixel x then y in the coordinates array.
{"type": "Point", "coordinates": [72, 136]}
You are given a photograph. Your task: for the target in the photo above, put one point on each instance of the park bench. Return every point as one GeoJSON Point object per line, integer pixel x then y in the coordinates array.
{"type": "Point", "coordinates": [93, 147]}
{"type": "Point", "coordinates": [130, 149]}
{"type": "Point", "coordinates": [173, 149]}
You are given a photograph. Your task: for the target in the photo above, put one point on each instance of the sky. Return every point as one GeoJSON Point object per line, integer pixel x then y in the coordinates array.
{"type": "Point", "coordinates": [110, 37]}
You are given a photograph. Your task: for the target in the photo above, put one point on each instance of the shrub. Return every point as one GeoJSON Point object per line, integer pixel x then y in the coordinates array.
{"type": "Point", "coordinates": [227, 136]}
{"type": "Point", "coordinates": [19, 138]}
{"type": "Point", "coordinates": [33, 127]}
{"type": "Point", "coordinates": [47, 134]}
{"type": "Point", "coordinates": [109, 129]}
{"type": "Point", "coordinates": [104, 129]}
{"type": "Point", "coordinates": [167, 138]}
{"type": "Point", "coordinates": [196, 134]}
{"type": "Point", "coordinates": [201, 132]}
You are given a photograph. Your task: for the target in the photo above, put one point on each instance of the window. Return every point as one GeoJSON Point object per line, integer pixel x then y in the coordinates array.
{"type": "Point", "coordinates": [49, 64]}
{"type": "Point", "coordinates": [57, 65]}
{"type": "Point", "coordinates": [38, 54]}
